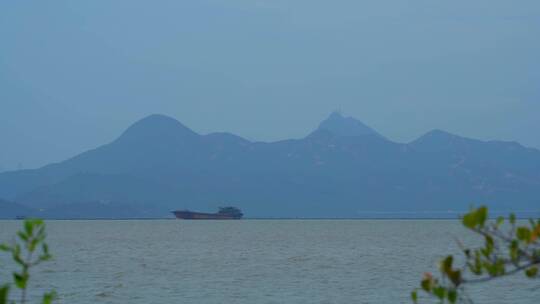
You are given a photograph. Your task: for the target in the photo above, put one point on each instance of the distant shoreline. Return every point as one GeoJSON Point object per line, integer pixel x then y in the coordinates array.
{"type": "Point", "coordinates": [275, 219]}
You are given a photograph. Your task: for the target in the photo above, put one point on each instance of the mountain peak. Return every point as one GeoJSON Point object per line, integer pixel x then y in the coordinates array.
{"type": "Point", "coordinates": [437, 135]}
{"type": "Point", "coordinates": [438, 140]}
{"type": "Point", "coordinates": [340, 125]}
{"type": "Point", "coordinates": [157, 125]}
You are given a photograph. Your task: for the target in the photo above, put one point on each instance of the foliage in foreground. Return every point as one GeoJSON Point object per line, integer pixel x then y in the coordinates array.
{"type": "Point", "coordinates": [504, 252]}
{"type": "Point", "coordinates": [27, 250]}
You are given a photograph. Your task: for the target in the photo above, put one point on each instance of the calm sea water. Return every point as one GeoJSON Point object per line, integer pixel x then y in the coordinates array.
{"type": "Point", "coordinates": [251, 261]}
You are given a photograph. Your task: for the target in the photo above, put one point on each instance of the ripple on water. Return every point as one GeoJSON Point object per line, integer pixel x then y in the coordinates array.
{"type": "Point", "coordinates": [251, 262]}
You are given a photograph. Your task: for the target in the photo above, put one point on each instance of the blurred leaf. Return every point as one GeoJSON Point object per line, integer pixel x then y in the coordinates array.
{"type": "Point", "coordinates": [49, 297]}
{"type": "Point", "coordinates": [455, 277]}
{"type": "Point", "coordinates": [514, 253]}
{"type": "Point", "coordinates": [452, 296]}
{"type": "Point", "coordinates": [20, 280]}
{"type": "Point", "coordinates": [426, 284]}
{"type": "Point", "coordinates": [29, 227]}
{"type": "Point", "coordinates": [17, 258]}
{"type": "Point", "coordinates": [440, 292]}
{"type": "Point", "coordinates": [5, 247]}
{"type": "Point", "coordinates": [41, 233]}
{"type": "Point", "coordinates": [32, 245]}
{"type": "Point", "coordinates": [500, 220]}
{"type": "Point", "coordinates": [30, 237]}
{"type": "Point", "coordinates": [502, 253]}
{"type": "Point", "coordinates": [532, 272]}
{"type": "Point", "coordinates": [45, 257]}
{"type": "Point", "coordinates": [500, 268]}
{"type": "Point", "coordinates": [469, 220]}
{"type": "Point", "coordinates": [523, 234]}
{"type": "Point", "coordinates": [446, 268]}
{"type": "Point", "coordinates": [477, 269]}
{"type": "Point", "coordinates": [4, 292]}
{"type": "Point", "coordinates": [446, 264]}
{"type": "Point", "coordinates": [475, 218]}
{"type": "Point", "coordinates": [481, 215]}
{"type": "Point", "coordinates": [22, 235]}
{"type": "Point", "coordinates": [490, 243]}
{"type": "Point", "coordinates": [414, 296]}
{"type": "Point", "coordinates": [512, 218]}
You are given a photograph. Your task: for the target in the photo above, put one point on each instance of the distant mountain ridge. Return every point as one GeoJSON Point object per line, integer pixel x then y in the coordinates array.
{"type": "Point", "coordinates": [339, 125]}
{"type": "Point", "coordinates": [342, 169]}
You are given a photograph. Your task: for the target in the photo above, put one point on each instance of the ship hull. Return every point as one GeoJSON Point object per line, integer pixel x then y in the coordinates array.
{"type": "Point", "coordinates": [189, 215]}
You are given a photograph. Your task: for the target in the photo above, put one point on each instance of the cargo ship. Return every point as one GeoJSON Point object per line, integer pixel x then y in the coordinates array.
{"type": "Point", "coordinates": [224, 213]}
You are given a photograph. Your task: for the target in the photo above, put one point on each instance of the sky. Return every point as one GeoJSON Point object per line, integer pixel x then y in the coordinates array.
{"type": "Point", "coordinates": [75, 74]}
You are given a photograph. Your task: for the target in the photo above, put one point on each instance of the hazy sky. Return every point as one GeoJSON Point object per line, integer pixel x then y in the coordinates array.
{"type": "Point", "coordinates": [75, 74]}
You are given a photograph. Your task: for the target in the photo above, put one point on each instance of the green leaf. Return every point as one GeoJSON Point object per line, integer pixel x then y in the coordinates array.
{"type": "Point", "coordinates": [5, 247]}
{"type": "Point", "coordinates": [523, 234]}
{"type": "Point", "coordinates": [475, 218]}
{"type": "Point", "coordinates": [23, 236]}
{"type": "Point", "coordinates": [477, 269]}
{"type": "Point", "coordinates": [4, 292]}
{"type": "Point", "coordinates": [20, 280]}
{"type": "Point", "coordinates": [41, 233]}
{"type": "Point", "coordinates": [469, 220]}
{"type": "Point", "coordinates": [426, 285]}
{"type": "Point", "coordinates": [500, 269]}
{"type": "Point", "coordinates": [455, 277]}
{"type": "Point", "coordinates": [446, 268]}
{"type": "Point", "coordinates": [45, 257]}
{"type": "Point", "coordinates": [489, 244]}
{"type": "Point", "coordinates": [532, 272]}
{"type": "Point", "coordinates": [512, 218]}
{"type": "Point", "coordinates": [49, 297]}
{"type": "Point", "coordinates": [414, 296]}
{"type": "Point", "coordinates": [481, 215]}
{"type": "Point", "coordinates": [514, 253]}
{"type": "Point", "coordinates": [446, 264]}
{"type": "Point", "coordinates": [16, 256]}
{"type": "Point", "coordinates": [32, 245]}
{"type": "Point", "coordinates": [452, 296]}
{"type": "Point", "coordinates": [29, 227]}
{"type": "Point", "coordinates": [440, 292]}
{"type": "Point", "coordinates": [500, 220]}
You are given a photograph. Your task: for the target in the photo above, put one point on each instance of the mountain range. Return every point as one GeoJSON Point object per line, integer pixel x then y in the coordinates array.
{"type": "Point", "coordinates": [343, 169]}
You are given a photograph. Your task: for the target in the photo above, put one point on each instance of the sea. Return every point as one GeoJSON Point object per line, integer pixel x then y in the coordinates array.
{"type": "Point", "coordinates": [251, 261]}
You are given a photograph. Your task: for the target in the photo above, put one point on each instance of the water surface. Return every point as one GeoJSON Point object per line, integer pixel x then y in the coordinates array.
{"type": "Point", "coordinates": [251, 261]}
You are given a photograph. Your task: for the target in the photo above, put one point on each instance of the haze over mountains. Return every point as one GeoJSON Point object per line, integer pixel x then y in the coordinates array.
{"type": "Point", "coordinates": [342, 169]}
